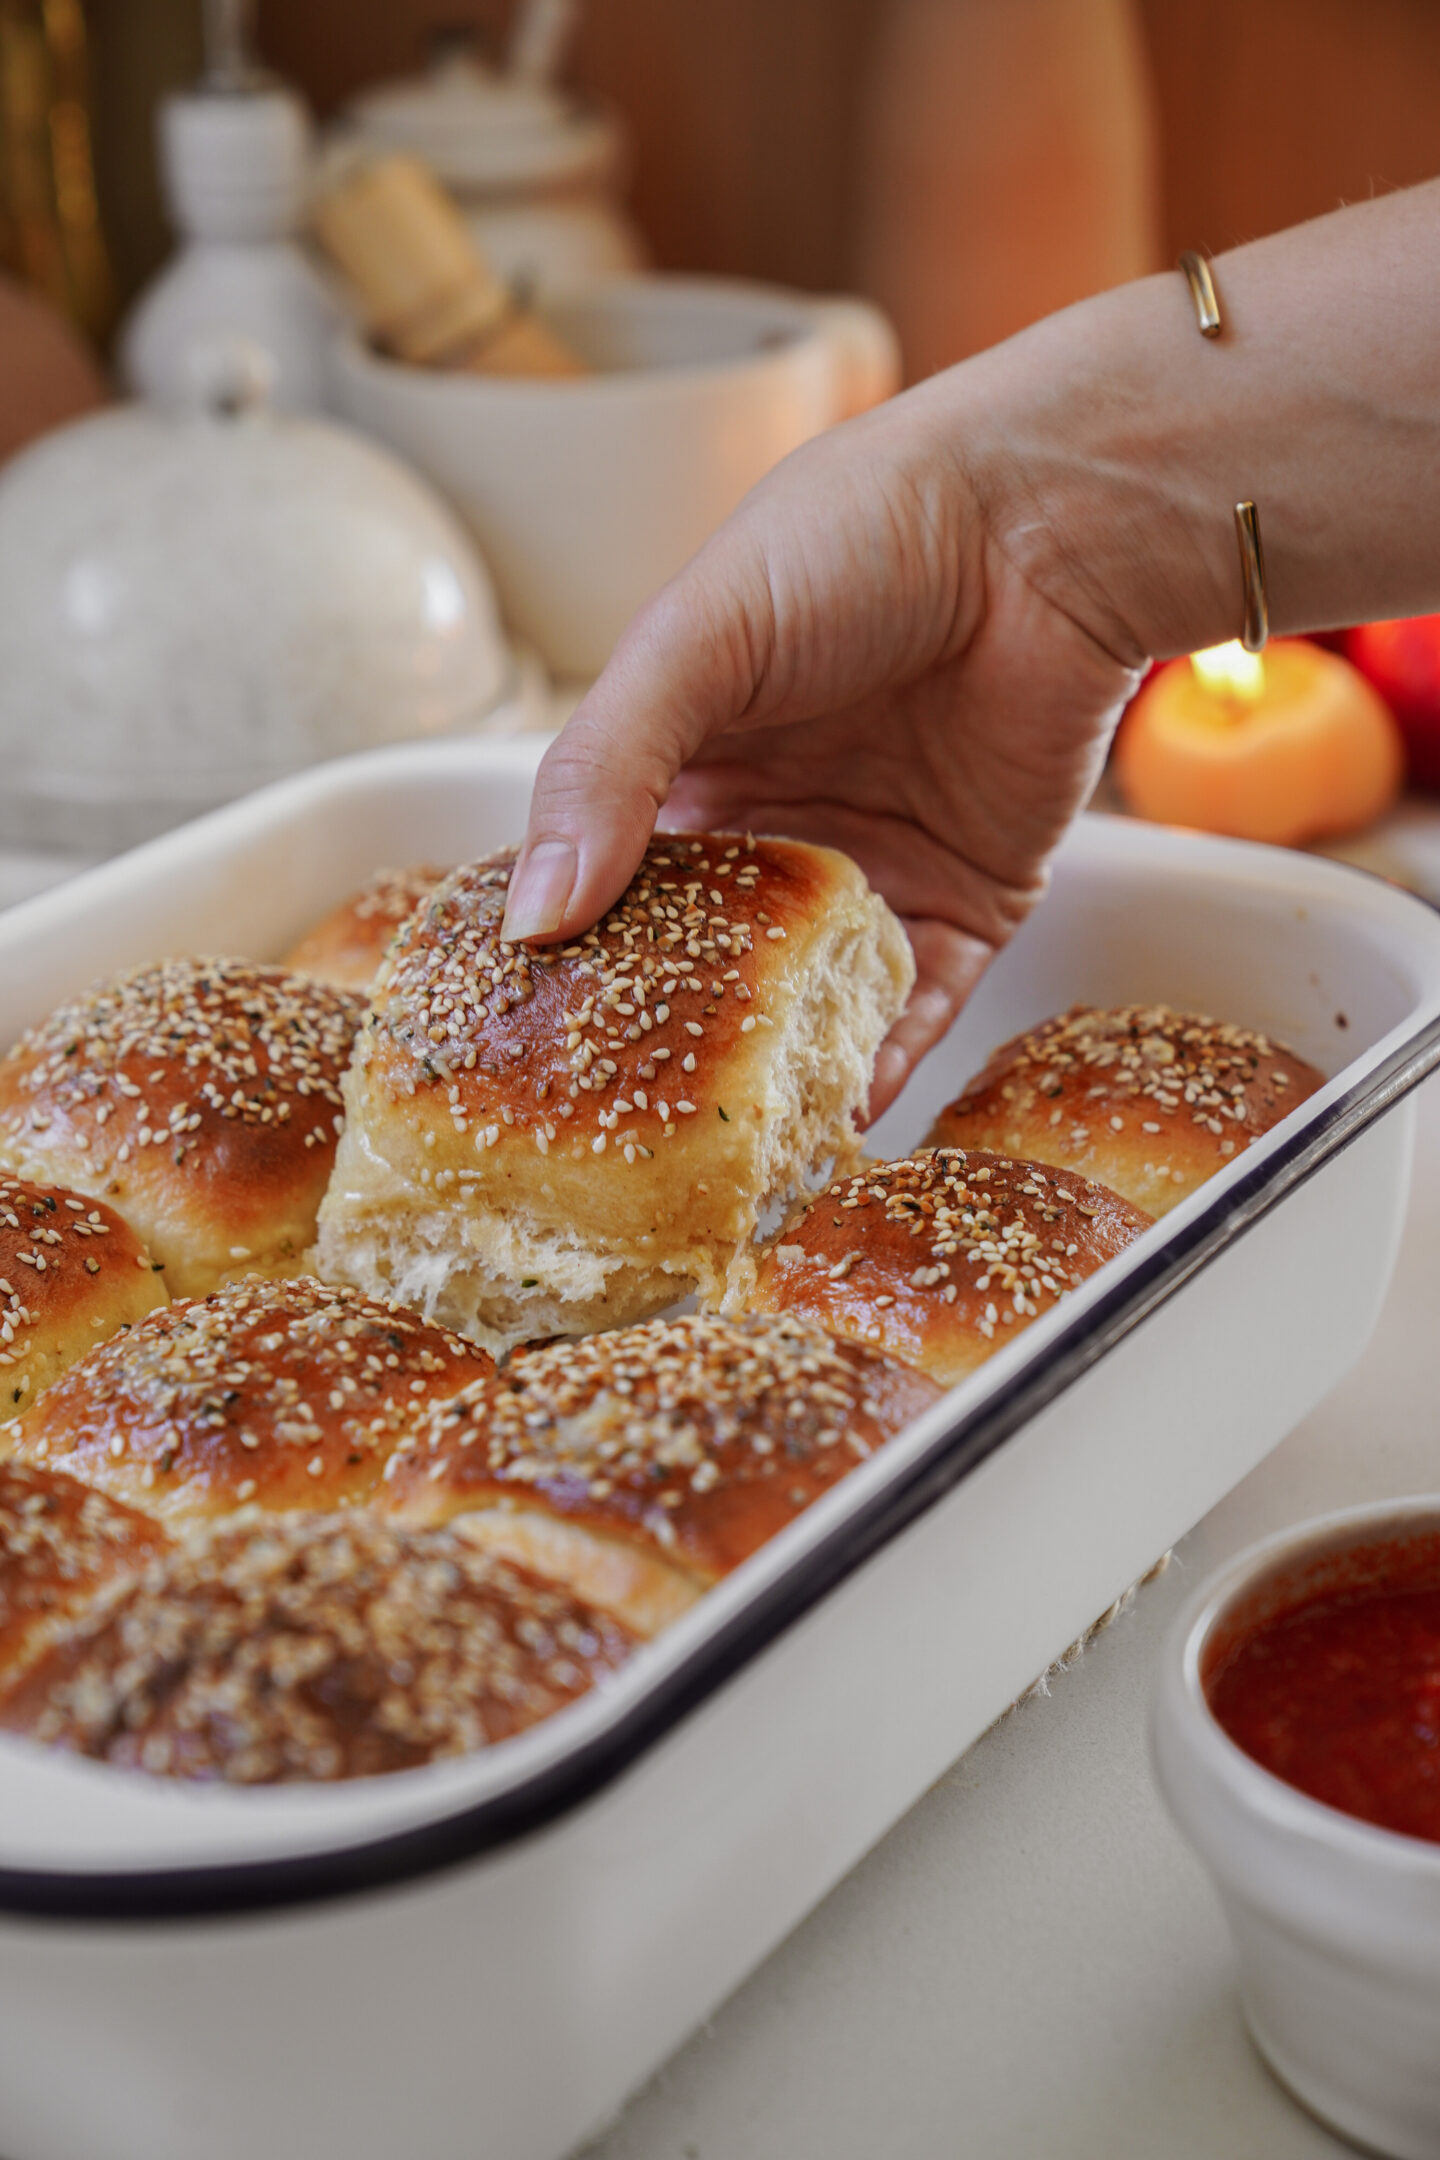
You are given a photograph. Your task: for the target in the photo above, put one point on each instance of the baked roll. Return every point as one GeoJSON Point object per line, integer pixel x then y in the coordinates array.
{"type": "Point", "coordinates": [549, 1141]}
{"type": "Point", "coordinates": [641, 1466]}
{"type": "Point", "coordinates": [287, 1393]}
{"type": "Point", "coordinates": [201, 1098]}
{"type": "Point", "coordinates": [60, 1546]}
{"type": "Point", "coordinates": [1147, 1101]}
{"type": "Point", "coordinates": [72, 1273]}
{"type": "Point", "coordinates": [941, 1258]}
{"type": "Point", "coordinates": [346, 948]}
{"type": "Point", "coordinates": [284, 1649]}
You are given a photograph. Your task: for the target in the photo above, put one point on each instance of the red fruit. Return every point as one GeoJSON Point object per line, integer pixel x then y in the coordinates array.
{"type": "Point", "coordinates": [1402, 660]}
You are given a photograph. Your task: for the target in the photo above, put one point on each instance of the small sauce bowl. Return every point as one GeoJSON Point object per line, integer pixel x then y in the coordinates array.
{"type": "Point", "coordinates": [1336, 1922]}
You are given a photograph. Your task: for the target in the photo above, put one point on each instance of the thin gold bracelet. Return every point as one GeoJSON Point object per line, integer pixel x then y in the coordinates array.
{"type": "Point", "coordinates": [1206, 302]}
{"type": "Point", "coordinates": [1205, 299]}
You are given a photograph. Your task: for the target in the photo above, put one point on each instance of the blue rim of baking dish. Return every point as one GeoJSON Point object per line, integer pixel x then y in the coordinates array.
{"type": "Point", "coordinates": [466, 1834]}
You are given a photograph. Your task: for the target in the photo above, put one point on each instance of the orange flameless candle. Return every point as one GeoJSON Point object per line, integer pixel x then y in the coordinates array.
{"type": "Point", "coordinates": [1286, 746]}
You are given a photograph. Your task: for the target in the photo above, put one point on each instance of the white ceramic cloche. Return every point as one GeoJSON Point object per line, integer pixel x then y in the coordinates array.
{"type": "Point", "coordinates": [537, 173]}
{"type": "Point", "coordinates": [192, 605]}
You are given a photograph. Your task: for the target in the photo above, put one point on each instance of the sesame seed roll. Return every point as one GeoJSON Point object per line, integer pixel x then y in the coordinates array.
{"type": "Point", "coordinates": [60, 1545]}
{"type": "Point", "coordinates": [643, 1465]}
{"type": "Point", "coordinates": [548, 1140]}
{"type": "Point", "coordinates": [1148, 1101]}
{"type": "Point", "coordinates": [201, 1098]}
{"type": "Point", "coordinates": [284, 1392]}
{"type": "Point", "coordinates": [72, 1273]}
{"type": "Point", "coordinates": [346, 947]}
{"type": "Point", "coordinates": [941, 1258]}
{"type": "Point", "coordinates": [288, 1649]}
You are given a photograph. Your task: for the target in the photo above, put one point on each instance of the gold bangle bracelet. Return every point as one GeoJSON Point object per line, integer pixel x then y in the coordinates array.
{"type": "Point", "coordinates": [1206, 303]}
{"type": "Point", "coordinates": [1252, 578]}
{"type": "Point", "coordinates": [1203, 296]}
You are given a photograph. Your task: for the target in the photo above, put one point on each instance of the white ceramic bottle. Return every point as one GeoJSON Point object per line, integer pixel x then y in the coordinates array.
{"type": "Point", "coordinates": [235, 157]}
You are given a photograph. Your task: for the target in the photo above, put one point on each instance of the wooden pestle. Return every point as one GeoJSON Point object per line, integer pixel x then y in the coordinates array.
{"type": "Point", "coordinates": [427, 292]}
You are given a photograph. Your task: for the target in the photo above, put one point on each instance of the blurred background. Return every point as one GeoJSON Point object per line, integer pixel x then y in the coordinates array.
{"type": "Point", "coordinates": [358, 220]}
{"type": "Point", "coordinates": [969, 163]}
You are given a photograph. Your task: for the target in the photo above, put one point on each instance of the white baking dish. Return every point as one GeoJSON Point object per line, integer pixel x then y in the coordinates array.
{"type": "Point", "coordinates": [482, 1959]}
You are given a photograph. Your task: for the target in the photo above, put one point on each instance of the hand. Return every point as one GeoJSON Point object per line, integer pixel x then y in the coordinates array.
{"type": "Point", "coordinates": [856, 659]}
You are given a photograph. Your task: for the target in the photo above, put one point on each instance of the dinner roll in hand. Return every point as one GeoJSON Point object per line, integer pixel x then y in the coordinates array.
{"type": "Point", "coordinates": [1148, 1101]}
{"type": "Point", "coordinates": [72, 1273]}
{"type": "Point", "coordinates": [641, 1466]}
{"type": "Point", "coordinates": [547, 1140]}
{"type": "Point", "coordinates": [347, 947]}
{"type": "Point", "coordinates": [284, 1649]}
{"type": "Point", "coordinates": [941, 1258]}
{"type": "Point", "coordinates": [284, 1392]}
{"type": "Point", "coordinates": [201, 1098]}
{"type": "Point", "coordinates": [60, 1545]}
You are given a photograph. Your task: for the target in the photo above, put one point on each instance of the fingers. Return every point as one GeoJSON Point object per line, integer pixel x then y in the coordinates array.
{"type": "Point", "coordinates": [838, 576]}
{"type": "Point", "coordinates": [948, 965]}
{"type": "Point", "coordinates": [687, 666]}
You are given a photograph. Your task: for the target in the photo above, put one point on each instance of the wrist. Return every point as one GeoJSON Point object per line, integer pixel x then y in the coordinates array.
{"type": "Point", "coordinates": [1085, 439]}
{"type": "Point", "coordinates": [1110, 444]}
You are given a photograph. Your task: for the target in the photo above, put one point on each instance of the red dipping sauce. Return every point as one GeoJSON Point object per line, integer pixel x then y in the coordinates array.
{"type": "Point", "coordinates": [1339, 1692]}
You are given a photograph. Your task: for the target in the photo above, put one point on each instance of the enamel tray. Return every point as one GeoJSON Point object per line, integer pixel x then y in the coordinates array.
{"type": "Point", "coordinates": [484, 1958]}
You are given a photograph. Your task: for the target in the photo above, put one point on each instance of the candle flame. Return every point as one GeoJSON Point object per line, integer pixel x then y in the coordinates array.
{"type": "Point", "coordinates": [1231, 672]}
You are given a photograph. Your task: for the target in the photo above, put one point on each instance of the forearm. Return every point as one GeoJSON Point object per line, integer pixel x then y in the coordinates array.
{"type": "Point", "coordinates": [1110, 443]}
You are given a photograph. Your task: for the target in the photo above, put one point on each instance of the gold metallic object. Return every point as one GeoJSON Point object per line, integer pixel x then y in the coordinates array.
{"type": "Point", "coordinates": [1247, 517]}
{"type": "Point", "coordinates": [1252, 577]}
{"type": "Point", "coordinates": [49, 221]}
{"type": "Point", "coordinates": [1202, 293]}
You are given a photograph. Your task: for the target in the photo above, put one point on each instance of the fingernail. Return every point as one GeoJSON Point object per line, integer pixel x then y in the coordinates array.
{"type": "Point", "coordinates": [539, 891]}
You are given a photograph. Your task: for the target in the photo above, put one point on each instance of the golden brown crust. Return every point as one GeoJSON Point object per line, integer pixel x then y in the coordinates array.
{"type": "Point", "coordinates": [940, 1259]}
{"type": "Point", "coordinates": [615, 1046]}
{"type": "Point", "coordinates": [1146, 1100]}
{"type": "Point", "coordinates": [287, 1393]}
{"type": "Point", "coordinates": [201, 1098]}
{"type": "Point", "coordinates": [72, 1273]}
{"type": "Point", "coordinates": [60, 1544]}
{"type": "Point", "coordinates": [347, 946]}
{"type": "Point", "coordinates": [694, 1440]}
{"type": "Point", "coordinates": [277, 1650]}
{"type": "Point", "coordinates": [617, 1095]}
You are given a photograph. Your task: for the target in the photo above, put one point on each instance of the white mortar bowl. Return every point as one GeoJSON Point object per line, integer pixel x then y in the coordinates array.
{"type": "Point", "coordinates": [1336, 1923]}
{"type": "Point", "coordinates": [588, 493]}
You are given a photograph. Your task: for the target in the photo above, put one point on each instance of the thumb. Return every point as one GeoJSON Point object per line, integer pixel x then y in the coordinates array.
{"type": "Point", "coordinates": [685, 669]}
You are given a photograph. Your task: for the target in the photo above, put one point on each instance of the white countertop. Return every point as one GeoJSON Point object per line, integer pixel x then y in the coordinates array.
{"type": "Point", "coordinates": [1032, 1966]}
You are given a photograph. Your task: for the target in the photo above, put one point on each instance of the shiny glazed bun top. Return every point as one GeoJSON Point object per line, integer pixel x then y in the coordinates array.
{"type": "Point", "coordinates": [287, 1649]}
{"type": "Point", "coordinates": [347, 946]}
{"type": "Point", "coordinates": [72, 1273]}
{"type": "Point", "coordinates": [201, 1098]}
{"type": "Point", "coordinates": [940, 1258]}
{"type": "Point", "coordinates": [547, 1140]}
{"type": "Point", "coordinates": [285, 1392]}
{"type": "Point", "coordinates": [696, 1439]}
{"type": "Point", "coordinates": [1148, 1101]}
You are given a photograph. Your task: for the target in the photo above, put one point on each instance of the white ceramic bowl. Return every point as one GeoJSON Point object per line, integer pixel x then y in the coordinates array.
{"type": "Point", "coordinates": [1336, 1923]}
{"type": "Point", "coordinates": [587, 494]}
